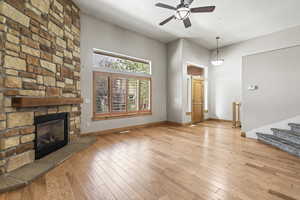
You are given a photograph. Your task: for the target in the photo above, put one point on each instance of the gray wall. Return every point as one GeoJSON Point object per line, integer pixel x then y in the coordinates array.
{"type": "Point", "coordinates": [192, 54]}
{"type": "Point", "coordinates": [225, 83]}
{"type": "Point", "coordinates": [181, 53]}
{"type": "Point", "coordinates": [175, 74]}
{"type": "Point", "coordinates": [277, 75]}
{"type": "Point", "coordinates": [195, 53]}
{"type": "Point", "coordinates": [101, 35]}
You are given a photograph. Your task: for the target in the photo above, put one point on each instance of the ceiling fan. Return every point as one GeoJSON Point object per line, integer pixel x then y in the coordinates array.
{"type": "Point", "coordinates": [183, 11]}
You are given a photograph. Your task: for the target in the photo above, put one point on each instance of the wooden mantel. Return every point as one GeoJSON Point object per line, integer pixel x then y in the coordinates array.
{"type": "Point", "coordinates": [26, 102]}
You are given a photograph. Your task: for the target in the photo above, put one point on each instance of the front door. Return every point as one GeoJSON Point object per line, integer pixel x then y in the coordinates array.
{"type": "Point", "coordinates": [197, 100]}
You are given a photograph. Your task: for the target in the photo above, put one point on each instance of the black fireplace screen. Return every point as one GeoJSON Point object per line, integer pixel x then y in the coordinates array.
{"type": "Point", "coordinates": [51, 133]}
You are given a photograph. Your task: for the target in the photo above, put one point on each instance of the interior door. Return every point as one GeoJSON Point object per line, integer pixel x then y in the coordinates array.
{"type": "Point", "coordinates": [197, 100]}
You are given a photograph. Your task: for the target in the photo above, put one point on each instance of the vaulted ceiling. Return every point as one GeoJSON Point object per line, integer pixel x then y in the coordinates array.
{"type": "Point", "coordinates": [233, 20]}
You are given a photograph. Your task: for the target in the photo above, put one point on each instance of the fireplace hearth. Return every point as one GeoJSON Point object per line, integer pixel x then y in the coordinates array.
{"type": "Point", "coordinates": [52, 133]}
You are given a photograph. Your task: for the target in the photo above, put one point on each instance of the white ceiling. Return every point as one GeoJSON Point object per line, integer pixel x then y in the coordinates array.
{"type": "Point", "coordinates": [233, 20]}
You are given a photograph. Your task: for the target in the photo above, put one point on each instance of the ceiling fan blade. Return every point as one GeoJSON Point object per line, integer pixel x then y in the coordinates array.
{"type": "Point", "coordinates": [167, 20]}
{"type": "Point", "coordinates": [203, 9]}
{"type": "Point", "coordinates": [188, 2]}
{"type": "Point", "coordinates": [162, 5]}
{"type": "Point", "coordinates": [187, 23]}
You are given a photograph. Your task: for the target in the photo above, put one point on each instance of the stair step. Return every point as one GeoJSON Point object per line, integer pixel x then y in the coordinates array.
{"type": "Point", "coordinates": [287, 135]}
{"type": "Point", "coordinates": [286, 131]}
{"type": "Point", "coordinates": [285, 145]}
{"type": "Point", "coordinates": [295, 127]}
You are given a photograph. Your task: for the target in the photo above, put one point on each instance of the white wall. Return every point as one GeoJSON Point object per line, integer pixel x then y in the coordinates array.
{"type": "Point", "coordinates": [225, 82]}
{"type": "Point", "coordinates": [196, 55]}
{"type": "Point", "coordinates": [277, 75]}
{"type": "Point", "coordinates": [101, 35]}
{"type": "Point", "coordinates": [174, 77]}
{"type": "Point", "coordinates": [181, 53]}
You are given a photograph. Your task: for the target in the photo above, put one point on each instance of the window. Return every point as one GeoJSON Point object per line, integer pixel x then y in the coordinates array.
{"type": "Point", "coordinates": [119, 63]}
{"type": "Point", "coordinates": [144, 89]}
{"type": "Point", "coordinates": [102, 94]}
{"type": "Point", "coordinates": [121, 94]}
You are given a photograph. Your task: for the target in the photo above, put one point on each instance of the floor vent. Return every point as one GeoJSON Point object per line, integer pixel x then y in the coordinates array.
{"type": "Point", "coordinates": [123, 132]}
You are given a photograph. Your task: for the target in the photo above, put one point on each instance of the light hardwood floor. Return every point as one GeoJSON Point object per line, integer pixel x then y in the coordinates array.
{"type": "Point", "coordinates": [207, 161]}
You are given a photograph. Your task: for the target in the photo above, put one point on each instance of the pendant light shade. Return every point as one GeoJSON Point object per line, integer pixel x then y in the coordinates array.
{"type": "Point", "coordinates": [218, 61]}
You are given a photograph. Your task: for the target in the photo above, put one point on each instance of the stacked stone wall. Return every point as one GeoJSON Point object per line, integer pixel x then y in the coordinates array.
{"type": "Point", "coordinates": [39, 57]}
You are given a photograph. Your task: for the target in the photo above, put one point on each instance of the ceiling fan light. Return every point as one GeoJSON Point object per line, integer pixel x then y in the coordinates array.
{"type": "Point", "coordinates": [217, 62]}
{"type": "Point", "coordinates": [182, 13]}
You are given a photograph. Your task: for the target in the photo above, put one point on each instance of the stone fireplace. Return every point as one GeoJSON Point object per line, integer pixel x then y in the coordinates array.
{"type": "Point", "coordinates": [39, 78]}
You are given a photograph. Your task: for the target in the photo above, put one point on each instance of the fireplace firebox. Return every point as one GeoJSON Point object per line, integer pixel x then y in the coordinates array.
{"type": "Point", "coordinates": [52, 133]}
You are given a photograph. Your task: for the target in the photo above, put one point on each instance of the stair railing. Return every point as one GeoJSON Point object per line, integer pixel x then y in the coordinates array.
{"type": "Point", "coordinates": [236, 109]}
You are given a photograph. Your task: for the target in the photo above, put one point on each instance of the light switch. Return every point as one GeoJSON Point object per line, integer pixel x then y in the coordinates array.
{"type": "Point", "coordinates": [253, 87]}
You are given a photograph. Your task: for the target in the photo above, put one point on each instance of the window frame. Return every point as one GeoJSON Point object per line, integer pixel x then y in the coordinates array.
{"type": "Point", "coordinates": [112, 115]}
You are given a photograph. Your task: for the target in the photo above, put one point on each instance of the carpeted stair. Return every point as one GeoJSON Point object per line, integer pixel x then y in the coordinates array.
{"type": "Point", "coordinates": [295, 127]}
{"type": "Point", "coordinates": [286, 140]}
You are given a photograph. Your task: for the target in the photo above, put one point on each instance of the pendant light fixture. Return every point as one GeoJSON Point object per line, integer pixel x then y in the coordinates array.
{"type": "Point", "coordinates": [218, 61]}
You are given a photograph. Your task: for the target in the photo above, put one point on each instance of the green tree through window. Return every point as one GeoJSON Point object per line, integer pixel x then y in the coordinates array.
{"type": "Point", "coordinates": [122, 65]}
